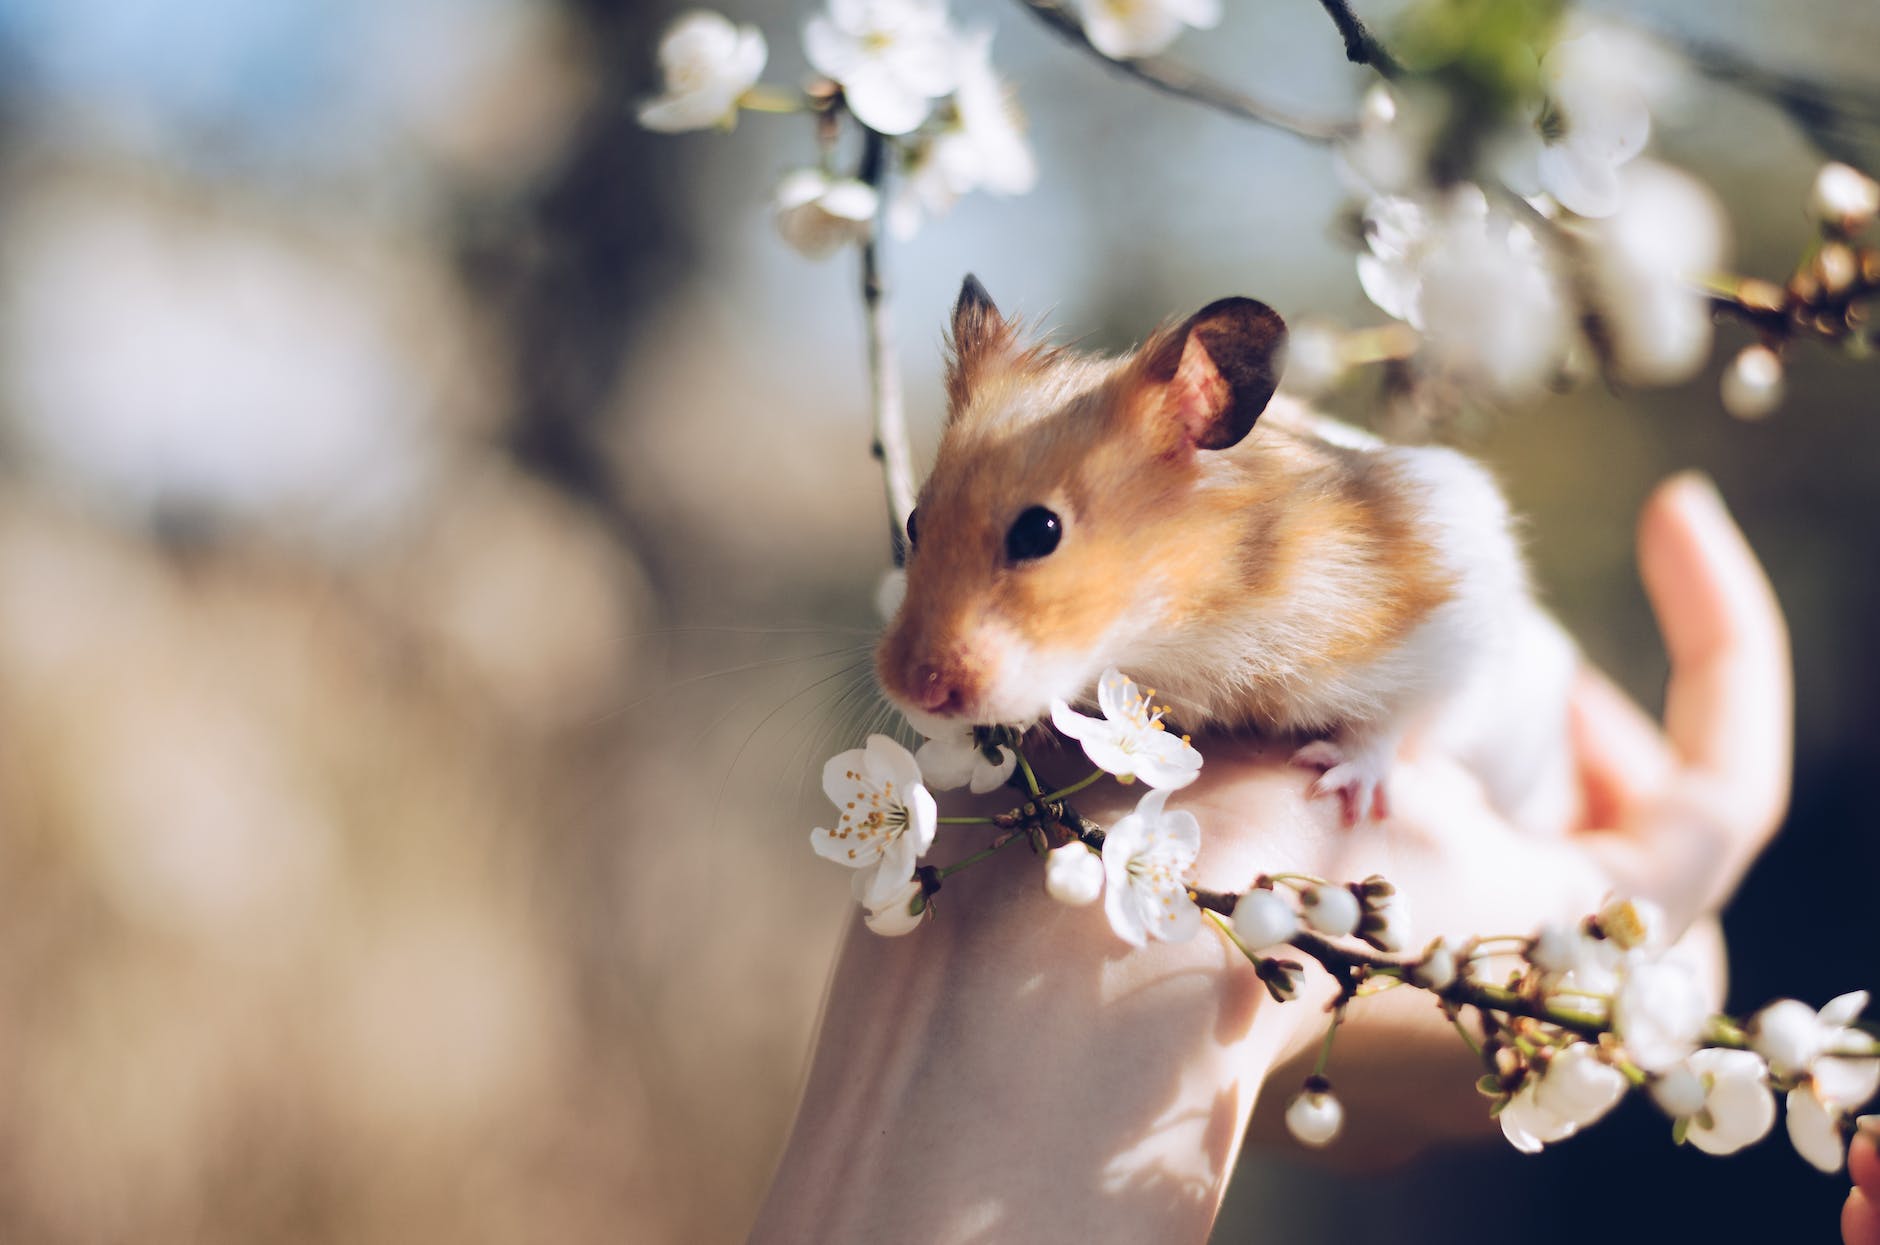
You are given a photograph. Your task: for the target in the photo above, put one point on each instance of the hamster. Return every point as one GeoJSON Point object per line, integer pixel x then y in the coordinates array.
{"type": "Point", "coordinates": [1259, 565]}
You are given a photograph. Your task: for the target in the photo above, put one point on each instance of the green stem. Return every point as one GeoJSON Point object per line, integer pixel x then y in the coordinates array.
{"type": "Point", "coordinates": [976, 857]}
{"type": "Point", "coordinates": [1066, 792]}
{"type": "Point", "coordinates": [1331, 1034]}
{"type": "Point", "coordinates": [964, 821]}
{"type": "Point", "coordinates": [1031, 777]}
{"type": "Point", "coordinates": [1227, 929]}
{"type": "Point", "coordinates": [773, 99]}
{"type": "Point", "coordinates": [1455, 1018]}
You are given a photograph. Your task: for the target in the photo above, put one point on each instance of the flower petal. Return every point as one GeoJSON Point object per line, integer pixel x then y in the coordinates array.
{"type": "Point", "coordinates": [1815, 1131]}
{"type": "Point", "coordinates": [1844, 1009]}
{"type": "Point", "coordinates": [990, 777]}
{"type": "Point", "coordinates": [948, 761]}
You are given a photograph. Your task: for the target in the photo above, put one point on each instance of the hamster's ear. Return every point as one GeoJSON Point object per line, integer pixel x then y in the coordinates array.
{"type": "Point", "coordinates": [1212, 375]}
{"type": "Point", "coordinates": [980, 336]}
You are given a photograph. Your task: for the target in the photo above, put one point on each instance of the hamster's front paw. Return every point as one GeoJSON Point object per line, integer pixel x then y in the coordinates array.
{"type": "Point", "coordinates": [1356, 775]}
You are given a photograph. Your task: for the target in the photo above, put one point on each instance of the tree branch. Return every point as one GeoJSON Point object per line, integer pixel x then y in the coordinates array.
{"type": "Point", "coordinates": [890, 446]}
{"type": "Point", "coordinates": [1172, 78]}
{"type": "Point", "coordinates": [1361, 46]}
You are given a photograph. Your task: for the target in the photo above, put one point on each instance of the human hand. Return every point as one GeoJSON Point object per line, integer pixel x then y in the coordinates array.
{"type": "Point", "coordinates": [1860, 1218]}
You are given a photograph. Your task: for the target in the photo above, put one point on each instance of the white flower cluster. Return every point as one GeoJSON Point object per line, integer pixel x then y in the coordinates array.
{"type": "Point", "coordinates": [1501, 289]}
{"type": "Point", "coordinates": [1128, 29]}
{"type": "Point", "coordinates": [903, 71]}
{"type": "Point", "coordinates": [1719, 1098]}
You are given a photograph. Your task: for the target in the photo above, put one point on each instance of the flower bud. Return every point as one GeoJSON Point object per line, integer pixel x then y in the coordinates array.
{"type": "Point", "coordinates": [901, 914]}
{"type": "Point", "coordinates": [1282, 978]}
{"type": "Point", "coordinates": [1437, 971]}
{"type": "Point", "coordinates": [1315, 1116]}
{"type": "Point", "coordinates": [1787, 1033]}
{"type": "Point", "coordinates": [1752, 384]}
{"type": "Point", "coordinates": [1331, 910]}
{"type": "Point", "coordinates": [1073, 875]}
{"type": "Point", "coordinates": [1386, 921]}
{"type": "Point", "coordinates": [1262, 919]}
{"type": "Point", "coordinates": [1843, 198]}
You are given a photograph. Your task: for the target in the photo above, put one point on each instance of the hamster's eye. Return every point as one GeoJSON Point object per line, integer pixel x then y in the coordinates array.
{"type": "Point", "coordinates": [912, 539]}
{"type": "Point", "coordinates": [1033, 535]}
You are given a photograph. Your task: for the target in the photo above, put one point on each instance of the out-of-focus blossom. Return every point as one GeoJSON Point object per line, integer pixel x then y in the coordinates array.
{"type": "Point", "coordinates": [708, 64]}
{"type": "Point", "coordinates": [1129, 740]}
{"type": "Point", "coordinates": [819, 215]}
{"type": "Point", "coordinates": [1593, 118]}
{"type": "Point", "coordinates": [1575, 1090]}
{"type": "Point", "coordinates": [1633, 924]}
{"type": "Point", "coordinates": [1724, 1097]}
{"type": "Point", "coordinates": [1844, 198]}
{"type": "Point", "coordinates": [1385, 923]}
{"type": "Point", "coordinates": [982, 147]}
{"type": "Point", "coordinates": [1752, 385]}
{"type": "Point", "coordinates": [893, 58]}
{"type": "Point", "coordinates": [1315, 359]}
{"type": "Point", "coordinates": [1669, 231]}
{"type": "Point", "coordinates": [1659, 1013]}
{"type": "Point", "coordinates": [958, 759]}
{"type": "Point", "coordinates": [1398, 128]}
{"type": "Point", "coordinates": [1125, 29]}
{"type": "Point", "coordinates": [1146, 859]}
{"type": "Point", "coordinates": [1438, 968]}
{"type": "Point", "coordinates": [886, 822]}
{"type": "Point", "coordinates": [890, 591]}
{"type": "Point", "coordinates": [1474, 281]}
{"type": "Point", "coordinates": [1073, 875]}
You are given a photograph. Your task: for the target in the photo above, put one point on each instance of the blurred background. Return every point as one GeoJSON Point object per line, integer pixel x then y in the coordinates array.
{"type": "Point", "coordinates": [437, 544]}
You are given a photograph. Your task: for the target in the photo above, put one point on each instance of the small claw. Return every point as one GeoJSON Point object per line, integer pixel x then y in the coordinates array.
{"type": "Point", "coordinates": [1320, 754]}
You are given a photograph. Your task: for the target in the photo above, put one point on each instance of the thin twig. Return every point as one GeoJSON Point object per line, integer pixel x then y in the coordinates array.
{"type": "Point", "coordinates": [1361, 46]}
{"type": "Point", "coordinates": [890, 446]}
{"type": "Point", "coordinates": [1178, 80]}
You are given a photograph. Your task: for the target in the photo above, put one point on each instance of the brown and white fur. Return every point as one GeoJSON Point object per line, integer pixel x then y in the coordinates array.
{"type": "Point", "coordinates": [1259, 565]}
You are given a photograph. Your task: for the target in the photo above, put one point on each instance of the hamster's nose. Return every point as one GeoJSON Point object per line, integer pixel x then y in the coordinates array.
{"type": "Point", "coordinates": [935, 692]}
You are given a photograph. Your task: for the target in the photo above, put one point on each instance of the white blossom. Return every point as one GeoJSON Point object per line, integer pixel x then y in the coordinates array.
{"type": "Point", "coordinates": [1595, 116]}
{"type": "Point", "coordinates": [1126, 29]}
{"type": "Point", "coordinates": [1315, 1116]}
{"type": "Point", "coordinates": [1844, 197]}
{"type": "Point", "coordinates": [1752, 384]}
{"type": "Point", "coordinates": [982, 147]}
{"type": "Point", "coordinates": [1474, 281]}
{"type": "Point", "coordinates": [1073, 875]}
{"type": "Point", "coordinates": [708, 64]}
{"type": "Point", "coordinates": [1398, 127]}
{"type": "Point", "coordinates": [819, 215]}
{"type": "Point", "coordinates": [1129, 740]}
{"type": "Point", "coordinates": [958, 759]}
{"type": "Point", "coordinates": [1647, 259]}
{"type": "Point", "coordinates": [1798, 1041]}
{"type": "Point", "coordinates": [887, 818]}
{"type": "Point", "coordinates": [1659, 1013]}
{"type": "Point", "coordinates": [1146, 859]}
{"type": "Point", "coordinates": [1331, 910]}
{"type": "Point", "coordinates": [1263, 919]}
{"type": "Point", "coordinates": [1737, 1107]}
{"type": "Point", "coordinates": [893, 58]}
{"type": "Point", "coordinates": [1815, 1130]}
{"type": "Point", "coordinates": [900, 913]}
{"type": "Point", "coordinates": [1575, 1090]}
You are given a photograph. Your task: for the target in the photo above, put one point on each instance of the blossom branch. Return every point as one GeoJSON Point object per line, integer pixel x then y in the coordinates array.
{"type": "Point", "coordinates": [1172, 78]}
{"type": "Point", "coordinates": [890, 446]}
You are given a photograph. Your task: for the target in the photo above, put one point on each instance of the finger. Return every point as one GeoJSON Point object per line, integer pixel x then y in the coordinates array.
{"type": "Point", "coordinates": [1860, 1220]}
{"type": "Point", "coordinates": [1622, 755]}
{"type": "Point", "coordinates": [1728, 705]}
{"type": "Point", "coordinates": [1863, 1162]}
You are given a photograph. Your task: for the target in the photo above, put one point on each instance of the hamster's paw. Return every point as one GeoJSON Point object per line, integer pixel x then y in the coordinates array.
{"type": "Point", "coordinates": [1357, 778]}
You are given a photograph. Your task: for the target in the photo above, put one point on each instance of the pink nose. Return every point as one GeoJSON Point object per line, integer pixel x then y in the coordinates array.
{"type": "Point", "coordinates": [935, 692]}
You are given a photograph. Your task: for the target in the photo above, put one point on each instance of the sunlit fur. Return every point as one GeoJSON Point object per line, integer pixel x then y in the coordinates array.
{"type": "Point", "coordinates": [1307, 580]}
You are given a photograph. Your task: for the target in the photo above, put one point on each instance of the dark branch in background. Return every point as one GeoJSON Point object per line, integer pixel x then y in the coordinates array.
{"type": "Point", "coordinates": [1827, 299]}
{"type": "Point", "coordinates": [1361, 46]}
{"type": "Point", "coordinates": [1172, 78]}
{"type": "Point", "coordinates": [1835, 118]}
